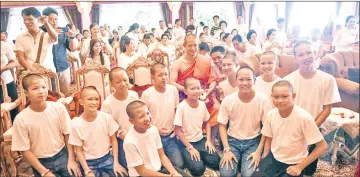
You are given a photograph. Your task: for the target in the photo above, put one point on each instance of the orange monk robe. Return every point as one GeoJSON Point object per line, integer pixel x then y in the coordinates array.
{"type": "Point", "coordinates": [201, 69]}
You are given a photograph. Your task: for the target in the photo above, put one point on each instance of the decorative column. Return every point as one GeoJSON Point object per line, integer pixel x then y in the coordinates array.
{"type": "Point", "coordinates": [84, 8]}
{"type": "Point", "coordinates": [174, 7]}
{"type": "Point", "coordinates": [247, 14]}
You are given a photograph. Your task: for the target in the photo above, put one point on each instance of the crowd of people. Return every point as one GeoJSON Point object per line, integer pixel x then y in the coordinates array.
{"type": "Point", "coordinates": [209, 110]}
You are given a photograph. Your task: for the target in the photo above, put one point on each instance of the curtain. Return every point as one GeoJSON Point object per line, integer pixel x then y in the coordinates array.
{"type": "Point", "coordinates": [167, 14]}
{"type": "Point", "coordinates": [95, 13]}
{"type": "Point", "coordinates": [183, 15]}
{"type": "Point", "coordinates": [288, 10]}
{"type": "Point", "coordinates": [357, 10]}
{"type": "Point", "coordinates": [239, 6]}
{"type": "Point", "coordinates": [5, 15]}
{"type": "Point", "coordinates": [73, 16]}
{"type": "Point", "coordinates": [338, 7]}
{"type": "Point", "coordinates": [251, 13]}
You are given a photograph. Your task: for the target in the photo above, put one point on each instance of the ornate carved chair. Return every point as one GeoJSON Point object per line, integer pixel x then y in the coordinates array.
{"type": "Point", "coordinates": [179, 51]}
{"type": "Point", "coordinates": [93, 74]}
{"type": "Point", "coordinates": [75, 64]}
{"type": "Point", "coordinates": [159, 56]}
{"type": "Point", "coordinates": [139, 71]}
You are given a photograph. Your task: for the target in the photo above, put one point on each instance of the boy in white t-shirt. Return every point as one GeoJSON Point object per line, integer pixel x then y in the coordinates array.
{"type": "Point", "coordinates": [189, 118]}
{"type": "Point", "coordinates": [162, 100]}
{"type": "Point", "coordinates": [290, 129]}
{"type": "Point", "coordinates": [115, 104]}
{"type": "Point", "coordinates": [264, 82]}
{"type": "Point", "coordinates": [316, 90]}
{"type": "Point", "coordinates": [228, 67]}
{"type": "Point", "coordinates": [35, 124]}
{"type": "Point", "coordinates": [245, 111]}
{"type": "Point", "coordinates": [142, 145]}
{"type": "Point", "coordinates": [92, 134]}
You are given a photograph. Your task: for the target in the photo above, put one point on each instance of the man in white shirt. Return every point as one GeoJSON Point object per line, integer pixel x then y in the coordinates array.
{"type": "Point", "coordinates": [161, 30]}
{"type": "Point", "coordinates": [27, 44]}
{"type": "Point", "coordinates": [4, 38]}
{"type": "Point", "coordinates": [241, 26]}
{"type": "Point", "coordinates": [281, 33]}
{"type": "Point", "coordinates": [7, 63]}
{"type": "Point", "coordinates": [178, 31]}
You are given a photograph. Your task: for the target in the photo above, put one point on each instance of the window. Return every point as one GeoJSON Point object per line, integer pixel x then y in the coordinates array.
{"type": "Point", "coordinates": [310, 15]}
{"type": "Point", "coordinates": [16, 23]}
{"type": "Point", "coordinates": [266, 12]}
{"type": "Point", "coordinates": [126, 14]}
{"type": "Point", "coordinates": [204, 12]}
{"type": "Point", "coordinates": [346, 9]}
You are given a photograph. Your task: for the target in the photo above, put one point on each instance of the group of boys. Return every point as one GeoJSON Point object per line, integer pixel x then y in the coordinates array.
{"type": "Point", "coordinates": [158, 136]}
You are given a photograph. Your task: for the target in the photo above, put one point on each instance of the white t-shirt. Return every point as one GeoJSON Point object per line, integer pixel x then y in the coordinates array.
{"type": "Point", "coordinates": [124, 61]}
{"type": "Point", "coordinates": [179, 33]}
{"type": "Point", "coordinates": [291, 135]}
{"type": "Point", "coordinates": [159, 32]}
{"type": "Point", "coordinates": [265, 87]}
{"type": "Point", "coordinates": [226, 88]}
{"type": "Point", "coordinates": [169, 49]}
{"type": "Point", "coordinates": [142, 149]}
{"type": "Point", "coordinates": [268, 44]}
{"type": "Point", "coordinates": [144, 50]}
{"type": "Point", "coordinates": [191, 120]}
{"type": "Point", "coordinates": [85, 49]}
{"type": "Point", "coordinates": [162, 105]}
{"type": "Point", "coordinates": [41, 132]}
{"type": "Point", "coordinates": [26, 43]}
{"type": "Point", "coordinates": [94, 137]}
{"type": "Point", "coordinates": [244, 118]}
{"type": "Point", "coordinates": [312, 94]}
{"type": "Point", "coordinates": [7, 54]}
{"type": "Point", "coordinates": [134, 36]}
{"type": "Point", "coordinates": [117, 109]}
{"type": "Point", "coordinates": [344, 37]}
{"type": "Point", "coordinates": [250, 50]}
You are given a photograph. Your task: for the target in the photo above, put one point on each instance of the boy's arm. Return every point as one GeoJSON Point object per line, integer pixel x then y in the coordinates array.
{"type": "Point", "coordinates": [81, 158]}
{"type": "Point", "coordinates": [324, 114]}
{"type": "Point", "coordinates": [72, 164]}
{"type": "Point", "coordinates": [35, 163]}
{"type": "Point", "coordinates": [181, 136]}
{"type": "Point", "coordinates": [166, 162]}
{"type": "Point", "coordinates": [117, 167]}
{"type": "Point", "coordinates": [223, 135]}
{"type": "Point", "coordinates": [146, 172]}
{"type": "Point", "coordinates": [51, 31]}
{"type": "Point", "coordinates": [174, 76]}
{"type": "Point", "coordinates": [320, 148]}
{"type": "Point", "coordinates": [267, 146]}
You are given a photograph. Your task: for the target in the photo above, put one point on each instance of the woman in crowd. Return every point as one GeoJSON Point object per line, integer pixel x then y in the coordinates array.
{"type": "Point", "coordinates": [348, 36]}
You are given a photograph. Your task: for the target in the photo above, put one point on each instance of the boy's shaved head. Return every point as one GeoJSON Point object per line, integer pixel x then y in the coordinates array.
{"type": "Point", "coordinates": [114, 70]}
{"type": "Point", "coordinates": [26, 81]}
{"type": "Point", "coordinates": [86, 89]}
{"type": "Point", "coordinates": [132, 106]}
{"type": "Point", "coordinates": [282, 83]}
{"type": "Point", "coordinates": [187, 80]}
{"type": "Point", "coordinates": [270, 53]}
{"type": "Point", "coordinates": [155, 66]}
{"type": "Point", "coordinates": [245, 67]}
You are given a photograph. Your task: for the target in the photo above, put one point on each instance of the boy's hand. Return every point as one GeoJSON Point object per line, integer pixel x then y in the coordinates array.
{"type": "Point", "coordinates": [49, 174]}
{"type": "Point", "coordinates": [209, 146]}
{"type": "Point", "coordinates": [118, 169]}
{"type": "Point", "coordinates": [195, 155]}
{"type": "Point", "coordinates": [176, 174]}
{"type": "Point", "coordinates": [91, 174]}
{"type": "Point", "coordinates": [294, 170]}
{"type": "Point", "coordinates": [227, 159]}
{"type": "Point", "coordinates": [73, 167]}
{"type": "Point", "coordinates": [256, 159]}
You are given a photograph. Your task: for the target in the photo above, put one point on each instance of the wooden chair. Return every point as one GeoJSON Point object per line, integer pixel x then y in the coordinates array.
{"type": "Point", "coordinates": [93, 74]}
{"type": "Point", "coordinates": [159, 56]}
{"type": "Point", "coordinates": [8, 160]}
{"type": "Point", "coordinates": [179, 51]}
{"type": "Point", "coordinates": [139, 71]}
{"type": "Point", "coordinates": [74, 63]}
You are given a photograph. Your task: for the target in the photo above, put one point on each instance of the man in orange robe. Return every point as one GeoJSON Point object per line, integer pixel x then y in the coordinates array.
{"type": "Point", "coordinates": [199, 67]}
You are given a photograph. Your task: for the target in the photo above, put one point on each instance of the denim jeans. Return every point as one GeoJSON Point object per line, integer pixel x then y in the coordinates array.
{"type": "Point", "coordinates": [121, 154]}
{"type": "Point", "coordinates": [241, 149]}
{"type": "Point", "coordinates": [172, 151]}
{"type": "Point", "coordinates": [57, 164]}
{"type": "Point", "coordinates": [270, 167]}
{"type": "Point", "coordinates": [103, 166]}
{"type": "Point", "coordinates": [197, 168]}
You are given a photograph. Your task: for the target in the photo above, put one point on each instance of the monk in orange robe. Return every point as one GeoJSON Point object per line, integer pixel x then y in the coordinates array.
{"type": "Point", "coordinates": [199, 67]}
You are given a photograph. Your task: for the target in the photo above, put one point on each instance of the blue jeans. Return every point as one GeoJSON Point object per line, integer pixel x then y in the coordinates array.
{"type": "Point", "coordinates": [172, 151]}
{"type": "Point", "coordinates": [121, 154]}
{"type": "Point", "coordinates": [241, 149]}
{"type": "Point", "coordinates": [103, 166]}
{"type": "Point", "coordinates": [57, 164]}
{"type": "Point", "coordinates": [197, 168]}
